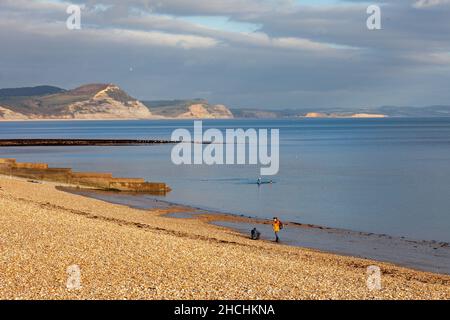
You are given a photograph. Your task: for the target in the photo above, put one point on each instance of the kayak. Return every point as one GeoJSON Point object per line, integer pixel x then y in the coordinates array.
{"type": "Point", "coordinates": [264, 182]}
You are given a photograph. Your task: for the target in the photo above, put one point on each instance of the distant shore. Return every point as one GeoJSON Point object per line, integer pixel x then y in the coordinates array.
{"type": "Point", "coordinates": [126, 253]}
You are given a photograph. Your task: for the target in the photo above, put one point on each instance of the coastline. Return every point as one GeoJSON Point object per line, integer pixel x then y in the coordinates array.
{"type": "Point", "coordinates": [127, 253]}
{"type": "Point", "coordinates": [422, 255]}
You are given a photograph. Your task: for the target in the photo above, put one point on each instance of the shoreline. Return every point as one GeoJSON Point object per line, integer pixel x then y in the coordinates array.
{"type": "Point", "coordinates": [406, 252]}
{"type": "Point", "coordinates": [127, 253]}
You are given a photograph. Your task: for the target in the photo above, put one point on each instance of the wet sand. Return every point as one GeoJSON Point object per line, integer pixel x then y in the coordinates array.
{"type": "Point", "coordinates": [126, 253]}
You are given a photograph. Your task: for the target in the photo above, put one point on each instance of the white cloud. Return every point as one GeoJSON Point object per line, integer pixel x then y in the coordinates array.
{"type": "Point", "coordinates": [261, 39]}
{"type": "Point", "coordinates": [432, 58]}
{"type": "Point", "coordinates": [123, 37]}
{"type": "Point", "coordinates": [155, 38]}
{"type": "Point", "coordinates": [429, 3]}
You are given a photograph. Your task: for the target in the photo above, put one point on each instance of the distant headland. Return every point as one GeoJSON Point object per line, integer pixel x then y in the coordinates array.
{"type": "Point", "coordinates": [98, 102]}
{"type": "Point", "coordinates": [110, 102]}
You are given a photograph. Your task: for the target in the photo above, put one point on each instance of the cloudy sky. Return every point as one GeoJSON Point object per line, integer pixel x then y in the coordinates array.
{"type": "Point", "coordinates": [272, 54]}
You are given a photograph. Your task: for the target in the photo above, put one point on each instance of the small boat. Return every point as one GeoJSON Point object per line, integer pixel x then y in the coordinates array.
{"type": "Point", "coordinates": [260, 182]}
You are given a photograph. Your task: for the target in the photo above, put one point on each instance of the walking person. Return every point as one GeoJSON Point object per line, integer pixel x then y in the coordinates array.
{"type": "Point", "coordinates": [277, 226]}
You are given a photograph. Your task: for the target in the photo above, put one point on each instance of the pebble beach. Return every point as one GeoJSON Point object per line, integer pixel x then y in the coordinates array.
{"type": "Point", "coordinates": [127, 253]}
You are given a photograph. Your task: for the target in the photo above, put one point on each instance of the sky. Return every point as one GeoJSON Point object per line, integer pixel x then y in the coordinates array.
{"type": "Point", "coordinates": [267, 54]}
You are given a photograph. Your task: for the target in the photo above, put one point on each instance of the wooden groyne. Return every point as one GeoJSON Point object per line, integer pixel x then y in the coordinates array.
{"type": "Point", "coordinates": [105, 181]}
{"type": "Point", "coordinates": [79, 142]}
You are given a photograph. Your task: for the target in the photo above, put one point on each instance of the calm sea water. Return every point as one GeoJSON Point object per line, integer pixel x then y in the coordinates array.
{"type": "Point", "coordinates": [387, 176]}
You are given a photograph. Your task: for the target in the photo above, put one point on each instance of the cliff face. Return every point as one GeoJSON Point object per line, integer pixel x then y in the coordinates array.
{"type": "Point", "coordinates": [201, 111]}
{"type": "Point", "coordinates": [94, 101]}
{"type": "Point", "coordinates": [110, 102]}
{"type": "Point", "coordinates": [189, 109]}
{"type": "Point", "coordinates": [7, 114]}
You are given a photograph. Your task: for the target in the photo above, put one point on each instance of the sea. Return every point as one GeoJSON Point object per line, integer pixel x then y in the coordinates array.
{"type": "Point", "coordinates": [385, 176]}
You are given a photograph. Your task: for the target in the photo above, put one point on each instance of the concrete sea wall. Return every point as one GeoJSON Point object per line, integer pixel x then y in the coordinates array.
{"type": "Point", "coordinates": [106, 181]}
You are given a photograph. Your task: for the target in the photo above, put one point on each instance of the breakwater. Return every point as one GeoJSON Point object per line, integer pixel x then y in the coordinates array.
{"type": "Point", "coordinates": [104, 181]}
{"type": "Point", "coordinates": [79, 142]}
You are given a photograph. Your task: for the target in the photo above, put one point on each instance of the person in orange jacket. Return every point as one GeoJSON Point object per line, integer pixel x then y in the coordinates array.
{"type": "Point", "coordinates": [277, 226]}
